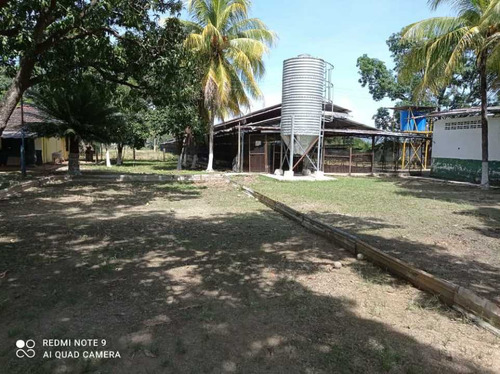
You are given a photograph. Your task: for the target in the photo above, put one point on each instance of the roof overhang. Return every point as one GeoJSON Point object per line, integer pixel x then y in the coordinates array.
{"type": "Point", "coordinates": [18, 135]}
{"type": "Point", "coordinates": [464, 112]}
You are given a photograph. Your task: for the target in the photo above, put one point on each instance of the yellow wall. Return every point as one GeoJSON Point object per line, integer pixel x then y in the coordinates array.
{"type": "Point", "coordinates": [49, 146]}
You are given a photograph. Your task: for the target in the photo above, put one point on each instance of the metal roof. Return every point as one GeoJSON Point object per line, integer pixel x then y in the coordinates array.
{"type": "Point", "coordinates": [14, 127]}
{"type": "Point", "coordinates": [492, 110]}
{"type": "Point", "coordinates": [413, 107]}
{"type": "Point", "coordinates": [267, 113]}
{"type": "Point", "coordinates": [268, 120]}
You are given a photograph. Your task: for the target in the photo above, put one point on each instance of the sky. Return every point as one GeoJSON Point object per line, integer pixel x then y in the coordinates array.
{"type": "Point", "coordinates": [338, 32]}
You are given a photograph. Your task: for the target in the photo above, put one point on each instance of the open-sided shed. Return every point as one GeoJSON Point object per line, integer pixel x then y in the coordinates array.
{"type": "Point", "coordinates": [252, 143]}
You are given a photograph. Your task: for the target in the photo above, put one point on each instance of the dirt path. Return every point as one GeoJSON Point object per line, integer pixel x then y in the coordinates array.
{"type": "Point", "coordinates": [202, 279]}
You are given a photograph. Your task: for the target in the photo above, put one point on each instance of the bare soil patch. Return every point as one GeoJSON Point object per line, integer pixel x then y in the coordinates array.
{"type": "Point", "coordinates": [183, 278]}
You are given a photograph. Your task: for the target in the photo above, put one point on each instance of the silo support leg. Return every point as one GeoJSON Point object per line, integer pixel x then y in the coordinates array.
{"type": "Point", "coordinates": [305, 153]}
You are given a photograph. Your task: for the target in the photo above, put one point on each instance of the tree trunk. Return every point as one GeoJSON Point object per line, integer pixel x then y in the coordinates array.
{"type": "Point", "coordinates": [119, 154]}
{"type": "Point", "coordinates": [485, 180]}
{"type": "Point", "coordinates": [74, 155]}
{"type": "Point", "coordinates": [133, 153]}
{"type": "Point", "coordinates": [19, 85]}
{"type": "Point", "coordinates": [210, 166]}
{"type": "Point", "coordinates": [108, 160]}
{"type": "Point", "coordinates": [181, 154]}
{"type": "Point", "coordinates": [195, 155]}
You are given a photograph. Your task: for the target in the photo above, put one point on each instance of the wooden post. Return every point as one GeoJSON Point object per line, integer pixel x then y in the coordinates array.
{"type": "Point", "coordinates": [281, 154]}
{"type": "Point", "coordinates": [274, 157]}
{"type": "Point", "coordinates": [249, 153]}
{"type": "Point", "coordinates": [266, 160]}
{"type": "Point", "coordinates": [350, 160]}
{"type": "Point", "coordinates": [323, 154]}
{"type": "Point", "coordinates": [238, 163]}
{"type": "Point", "coordinates": [373, 154]}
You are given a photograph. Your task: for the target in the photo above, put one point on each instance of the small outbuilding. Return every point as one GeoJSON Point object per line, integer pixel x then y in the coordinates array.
{"type": "Point", "coordinates": [38, 149]}
{"type": "Point", "coordinates": [457, 145]}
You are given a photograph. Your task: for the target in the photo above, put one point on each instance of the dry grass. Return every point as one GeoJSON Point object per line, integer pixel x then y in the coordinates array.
{"type": "Point", "coordinates": [188, 278]}
{"type": "Point", "coordinates": [146, 162]}
{"type": "Point", "coordinates": [451, 231]}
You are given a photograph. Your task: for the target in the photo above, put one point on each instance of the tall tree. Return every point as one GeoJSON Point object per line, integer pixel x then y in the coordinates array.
{"type": "Point", "coordinates": [133, 129]}
{"type": "Point", "coordinates": [231, 46]}
{"type": "Point", "coordinates": [442, 43]}
{"type": "Point", "coordinates": [34, 33]}
{"type": "Point", "coordinates": [383, 82]}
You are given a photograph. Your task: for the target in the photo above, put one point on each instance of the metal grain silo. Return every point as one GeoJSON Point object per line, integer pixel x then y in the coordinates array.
{"type": "Point", "coordinates": [303, 94]}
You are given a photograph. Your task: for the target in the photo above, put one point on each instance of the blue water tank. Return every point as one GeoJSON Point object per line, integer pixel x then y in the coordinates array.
{"type": "Point", "coordinates": [411, 124]}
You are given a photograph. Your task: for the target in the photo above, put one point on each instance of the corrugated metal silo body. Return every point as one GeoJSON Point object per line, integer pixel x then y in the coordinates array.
{"type": "Point", "coordinates": [303, 91]}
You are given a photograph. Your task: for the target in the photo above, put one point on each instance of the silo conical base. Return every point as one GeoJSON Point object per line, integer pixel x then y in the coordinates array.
{"type": "Point", "coordinates": [308, 148]}
{"type": "Point", "coordinates": [302, 143]}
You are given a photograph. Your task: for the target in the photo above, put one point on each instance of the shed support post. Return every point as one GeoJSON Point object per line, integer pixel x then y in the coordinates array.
{"type": "Point", "coordinates": [350, 160]}
{"type": "Point", "coordinates": [238, 162]}
{"type": "Point", "coordinates": [266, 159]}
{"type": "Point", "coordinates": [373, 155]}
{"type": "Point", "coordinates": [281, 153]}
{"type": "Point", "coordinates": [249, 155]}
{"type": "Point", "coordinates": [292, 144]}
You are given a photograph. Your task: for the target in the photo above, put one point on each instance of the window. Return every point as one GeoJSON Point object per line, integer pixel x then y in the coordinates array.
{"type": "Point", "coordinates": [463, 125]}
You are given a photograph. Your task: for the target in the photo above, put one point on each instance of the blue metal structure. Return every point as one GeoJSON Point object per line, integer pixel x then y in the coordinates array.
{"type": "Point", "coordinates": [413, 121]}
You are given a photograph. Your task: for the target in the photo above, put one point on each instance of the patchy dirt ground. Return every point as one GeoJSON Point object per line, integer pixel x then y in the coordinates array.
{"type": "Point", "coordinates": [452, 231]}
{"type": "Point", "coordinates": [202, 279]}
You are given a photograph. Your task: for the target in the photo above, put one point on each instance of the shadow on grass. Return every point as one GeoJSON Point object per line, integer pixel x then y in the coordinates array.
{"type": "Point", "coordinates": [182, 293]}
{"type": "Point", "coordinates": [486, 203]}
{"type": "Point", "coordinates": [437, 190]}
{"type": "Point", "coordinates": [481, 277]}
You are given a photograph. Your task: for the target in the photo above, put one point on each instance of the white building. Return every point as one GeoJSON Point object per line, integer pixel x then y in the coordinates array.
{"type": "Point", "coordinates": [456, 151]}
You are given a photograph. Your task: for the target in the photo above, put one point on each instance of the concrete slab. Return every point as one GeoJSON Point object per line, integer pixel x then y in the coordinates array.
{"type": "Point", "coordinates": [300, 178]}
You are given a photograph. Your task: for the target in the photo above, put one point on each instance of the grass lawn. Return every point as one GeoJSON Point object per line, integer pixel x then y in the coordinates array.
{"type": "Point", "coordinates": [199, 278]}
{"type": "Point", "coordinates": [139, 167]}
{"type": "Point", "coordinates": [147, 162]}
{"type": "Point", "coordinates": [452, 231]}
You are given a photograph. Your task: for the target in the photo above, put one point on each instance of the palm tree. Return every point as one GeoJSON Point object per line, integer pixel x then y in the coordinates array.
{"type": "Point", "coordinates": [443, 43]}
{"type": "Point", "coordinates": [231, 47]}
{"type": "Point", "coordinates": [78, 110]}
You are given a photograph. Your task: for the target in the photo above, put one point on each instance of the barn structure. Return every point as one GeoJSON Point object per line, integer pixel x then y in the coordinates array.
{"type": "Point", "coordinates": [457, 145]}
{"type": "Point", "coordinates": [252, 143]}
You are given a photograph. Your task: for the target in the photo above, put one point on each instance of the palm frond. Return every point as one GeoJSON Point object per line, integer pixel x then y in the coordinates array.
{"type": "Point", "coordinates": [233, 47]}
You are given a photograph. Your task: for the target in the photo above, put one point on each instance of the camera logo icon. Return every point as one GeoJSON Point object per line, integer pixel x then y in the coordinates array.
{"type": "Point", "coordinates": [25, 348]}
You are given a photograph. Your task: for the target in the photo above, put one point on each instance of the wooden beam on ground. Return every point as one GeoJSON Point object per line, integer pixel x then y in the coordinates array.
{"type": "Point", "coordinates": [450, 293]}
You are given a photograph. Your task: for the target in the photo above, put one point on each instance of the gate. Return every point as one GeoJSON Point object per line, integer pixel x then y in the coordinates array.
{"type": "Point", "coordinates": [257, 155]}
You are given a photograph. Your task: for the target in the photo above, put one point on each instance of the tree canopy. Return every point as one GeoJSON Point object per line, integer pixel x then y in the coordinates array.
{"type": "Point", "coordinates": [443, 45]}
{"type": "Point", "coordinates": [405, 89]}
{"type": "Point", "coordinates": [43, 40]}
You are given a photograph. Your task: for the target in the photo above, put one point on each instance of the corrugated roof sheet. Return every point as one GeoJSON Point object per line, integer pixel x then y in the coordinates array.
{"type": "Point", "coordinates": [32, 116]}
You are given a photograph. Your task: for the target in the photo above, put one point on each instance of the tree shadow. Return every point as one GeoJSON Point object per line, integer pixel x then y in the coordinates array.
{"type": "Point", "coordinates": [177, 292]}
{"type": "Point", "coordinates": [490, 218]}
{"type": "Point", "coordinates": [474, 273]}
{"type": "Point", "coordinates": [440, 190]}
